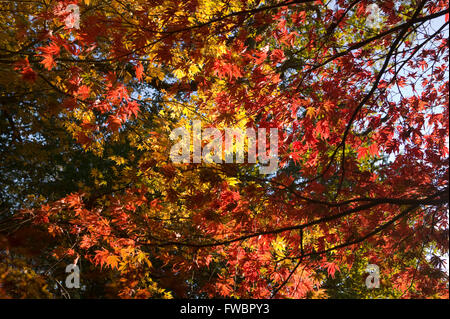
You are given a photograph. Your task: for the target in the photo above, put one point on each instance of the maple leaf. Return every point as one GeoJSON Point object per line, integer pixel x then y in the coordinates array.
{"type": "Point", "coordinates": [331, 268]}
{"type": "Point", "coordinates": [114, 123]}
{"type": "Point", "coordinates": [133, 108]}
{"type": "Point", "coordinates": [139, 68]}
{"type": "Point", "coordinates": [51, 49]}
{"type": "Point", "coordinates": [101, 257]}
{"type": "Point", "coordinates": [83, 92]}
{"type": "Point", "coordinates": [362, 152]}
{"type": "Point", "coordinates": [47, 53]}
{"type": "Point", "coordinates": [373, 149]}
{"type": "Point", "coordinates": [223, 289]}
{"type": "Point", "coordinates": [277, 56]}
{"type": "Point", "coordinates": [311, 112]}
{"type": "Point", "coordinates": [260, 56]}
{"type": "Point", "coordinates": [112, 261]}
{"type": "Point", "coordinates": [48, 61]}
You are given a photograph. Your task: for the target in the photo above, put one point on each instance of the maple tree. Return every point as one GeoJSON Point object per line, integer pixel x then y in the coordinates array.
{"type": "Point", "coordinates": [86, 115]}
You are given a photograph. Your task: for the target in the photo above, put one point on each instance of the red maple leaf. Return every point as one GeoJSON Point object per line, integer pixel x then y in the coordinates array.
{"type": "Point", "coordinates": [139, 68]}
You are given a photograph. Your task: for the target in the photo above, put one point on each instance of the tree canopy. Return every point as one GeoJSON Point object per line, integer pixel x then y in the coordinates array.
{"type": "Point", "coordinates": [357, 91]}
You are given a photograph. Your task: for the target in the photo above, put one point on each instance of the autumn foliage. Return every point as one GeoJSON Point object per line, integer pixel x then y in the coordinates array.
{"type": "Point", "coordinates": [86, 113]}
